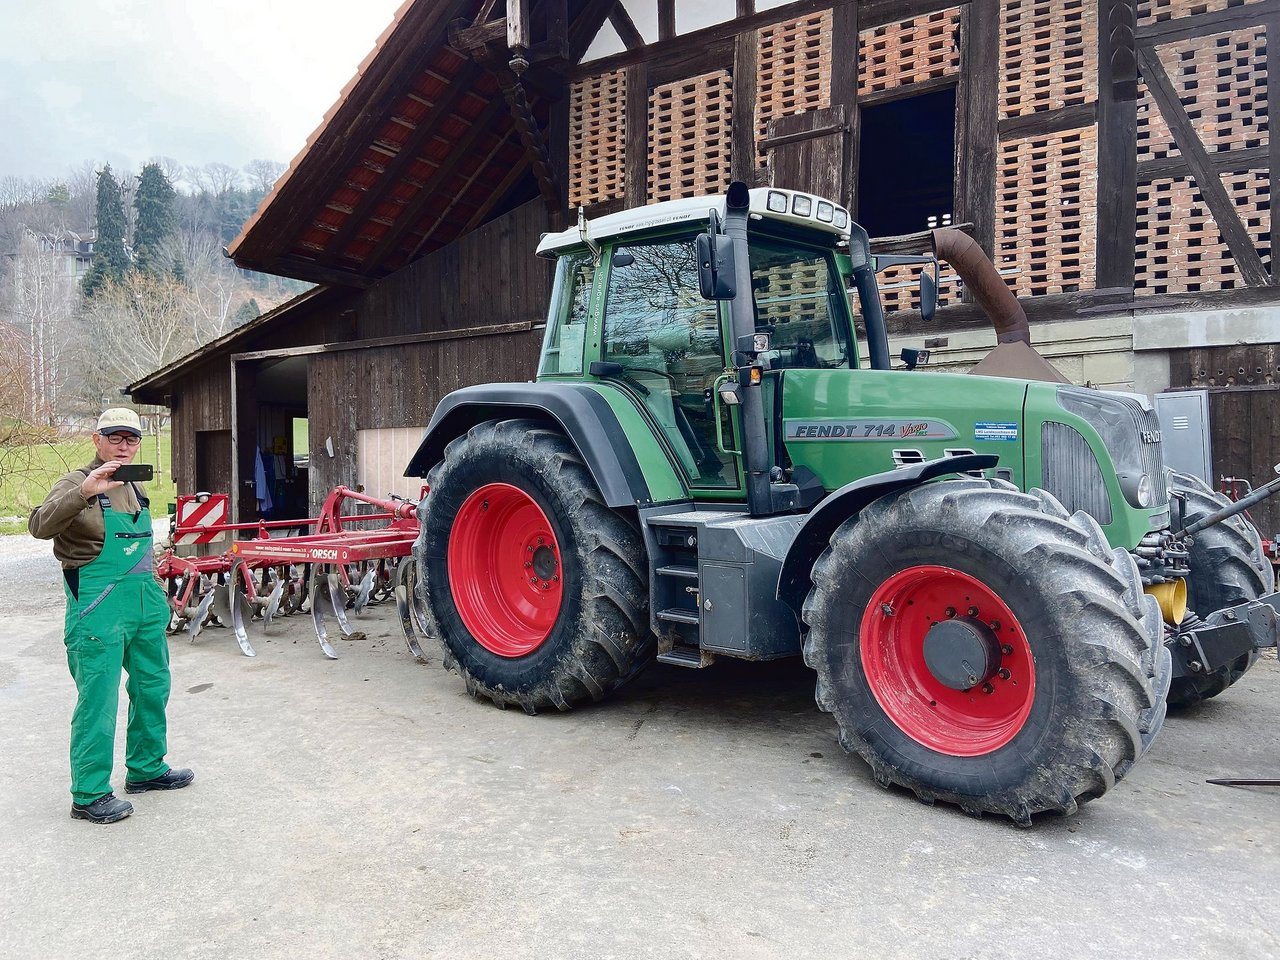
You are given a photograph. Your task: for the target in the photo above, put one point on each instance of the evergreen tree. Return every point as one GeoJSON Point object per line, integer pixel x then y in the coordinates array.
{"type": "Point", "coordinates": [249, 310]}
{"type": "Point", "coordinates": [110, 258]}
{"type": "Point", "coordinates": [153, 201]}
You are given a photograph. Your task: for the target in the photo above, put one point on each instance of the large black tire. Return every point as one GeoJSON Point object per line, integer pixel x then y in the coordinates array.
{"type": "Point", "coordinates": [600, 637]}
{"type": "Point", "coordinates": [1088, 637]}
{"type": "Point", "coordinates": [1228, 567]}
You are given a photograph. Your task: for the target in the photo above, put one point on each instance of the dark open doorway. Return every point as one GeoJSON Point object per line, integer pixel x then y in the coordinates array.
{"type": "Point", "coordinates": [906, 163]}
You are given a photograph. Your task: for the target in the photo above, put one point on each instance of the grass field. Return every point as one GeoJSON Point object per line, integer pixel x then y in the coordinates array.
{"type": "Point", "coordinates": [27, 475]}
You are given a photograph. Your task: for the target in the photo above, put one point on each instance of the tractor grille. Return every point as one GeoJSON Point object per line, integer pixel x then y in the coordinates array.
{"type": "Point", "coordinates": [1071, 472]}
{"type": "Point", "coordinates": [1147, 424]}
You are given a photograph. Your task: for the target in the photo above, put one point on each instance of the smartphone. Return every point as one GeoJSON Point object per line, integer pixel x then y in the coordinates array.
{"type": "Point", "coordinates": [133, 472]}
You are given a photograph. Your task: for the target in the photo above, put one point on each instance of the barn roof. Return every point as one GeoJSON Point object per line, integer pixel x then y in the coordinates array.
{"type": "Point", "coordinates": [420, 148]}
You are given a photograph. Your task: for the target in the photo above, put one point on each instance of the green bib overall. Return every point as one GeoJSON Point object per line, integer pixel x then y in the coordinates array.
{"type": "Point", "coordinates": [116, 618]}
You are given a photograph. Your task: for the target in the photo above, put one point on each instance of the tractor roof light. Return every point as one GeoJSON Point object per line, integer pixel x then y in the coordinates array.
{"type": "Point", "coordinates": [802, 206]}
{"type": "Point", "coordinates": [842, 218]}
{"type": "Point", "coordinates": [826, 211]}
{"type": "Point", "coordinates": [776, 202]}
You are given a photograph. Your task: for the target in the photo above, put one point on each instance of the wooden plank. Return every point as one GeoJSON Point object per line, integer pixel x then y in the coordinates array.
{"type": "Point", "coordinates": [809, 152]}
{"type": "Point", "coordinates": [691, 62]}
{"type": "Point", "coordinates": [1207, 24]}
{"type": "Point", "coordinates": [666, 19]}
{"type": "Point", "coordinates": [742, 156]}
{"type": "Point", "coordinates": [1222, 161]}
{"type": "Point", "coordinates": [877, 13]}
{"type": "Point", "coordinates": [1273, 142]}
{"type": "Point", "coordinates": [1049, 121]}
{"type": "Point", "coordinates": [1117, 197]}
{"type": "Point", "coordinates": [1211, 188]}
{"type": "Point", "coordinates": [845, 24]}
{"type": "Point", "coordinates": [636, 148]}
{"type": "Point", "coordinates": [626, 27]}
{"type": "Point", "coordinates": [906, 90]}
{"type": "Point", "coordinates": [430, 336]}
{"type": "Point", "coordinates": [977, 118]}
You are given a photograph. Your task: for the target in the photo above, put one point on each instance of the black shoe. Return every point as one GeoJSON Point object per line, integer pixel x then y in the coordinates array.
{"type": "Point", "coordinates": [175, 779]}
{"type": "Point", "coordinates": [106, 809]}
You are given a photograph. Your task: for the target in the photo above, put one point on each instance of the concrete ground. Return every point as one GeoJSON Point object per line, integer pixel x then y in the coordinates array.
{"type": "Point", "coordinates": [366, 807]}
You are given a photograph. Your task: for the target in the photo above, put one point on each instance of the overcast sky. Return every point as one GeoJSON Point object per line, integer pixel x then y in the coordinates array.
{"type": "Point", "coordinates": [197, 80]}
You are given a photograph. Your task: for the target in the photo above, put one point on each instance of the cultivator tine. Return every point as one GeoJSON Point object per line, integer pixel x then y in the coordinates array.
{"type": "Point", "coordinates": [366, 588]}
{"type": "Point", "coordinates": [317, 616]}
{"type": "Point", "coordinates": [338, 597]}
{"type": "Point", "coordinates": [202, 614]}
{"type": "Point", "coordinates": [235, 604]}
{"type": "Point", "coordinates": [404, 606]}
{"type": "Point", "coordinates": [273, 601]}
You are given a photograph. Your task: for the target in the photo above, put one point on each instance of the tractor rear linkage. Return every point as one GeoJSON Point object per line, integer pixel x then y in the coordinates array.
{"type": "Point", "coordinates": [224, 585]}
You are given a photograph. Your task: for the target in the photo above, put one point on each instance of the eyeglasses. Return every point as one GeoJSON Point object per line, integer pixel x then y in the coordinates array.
{"type": "Point", "coordinates": [126, 439]}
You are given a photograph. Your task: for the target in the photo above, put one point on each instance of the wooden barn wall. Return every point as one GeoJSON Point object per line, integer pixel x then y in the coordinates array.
{"type": "Point", "coordinates": [202, 401]}
{"type": "Point", "coordinates": [490, 276]}
{"type": "Point", "coordinates": [398, 386]}
{"type": "Point", "coordinates": [1244, 407]}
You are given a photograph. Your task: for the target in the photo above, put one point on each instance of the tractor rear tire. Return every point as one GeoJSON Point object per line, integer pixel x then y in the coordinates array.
{"type": "Point", "coordinates": [1082, 674]}
{"type": "Point", "coordinates": [1228, 567]}
{"type": "Point", "coordinates": [534, 587]}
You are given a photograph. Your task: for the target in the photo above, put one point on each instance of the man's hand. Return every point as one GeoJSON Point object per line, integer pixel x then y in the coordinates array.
{"type": "Point", "coordinates": [99, 480]}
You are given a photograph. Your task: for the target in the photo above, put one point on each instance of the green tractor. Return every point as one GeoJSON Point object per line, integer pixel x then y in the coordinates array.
{"type": "Point", "coordinates": [987, 574]}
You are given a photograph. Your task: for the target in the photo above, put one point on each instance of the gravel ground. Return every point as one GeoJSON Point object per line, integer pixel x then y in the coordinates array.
{"type": "Point", "coordinates": [367, 807]}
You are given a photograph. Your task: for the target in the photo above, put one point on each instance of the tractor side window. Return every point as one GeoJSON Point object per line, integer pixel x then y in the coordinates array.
{"type": "Point", "coordinates": [668, 341]}
{"type": "Point", "coordinates": [562, 350]}
{"type": "Point", "coordinates": [801, 304]}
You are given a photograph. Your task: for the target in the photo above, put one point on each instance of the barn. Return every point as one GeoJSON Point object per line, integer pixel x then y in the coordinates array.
{"type": "Point", "coordinates": [1112, 156]}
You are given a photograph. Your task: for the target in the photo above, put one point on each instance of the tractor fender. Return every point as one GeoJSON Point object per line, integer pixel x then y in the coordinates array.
{"type": "Point", "coordinates": [582, 414]}
{"type": "Point", "coordinates": [815, 533]}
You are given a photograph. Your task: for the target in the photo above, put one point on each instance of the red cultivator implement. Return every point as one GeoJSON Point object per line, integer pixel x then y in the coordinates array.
{"type": "Point", "coordinates": [269, 576]}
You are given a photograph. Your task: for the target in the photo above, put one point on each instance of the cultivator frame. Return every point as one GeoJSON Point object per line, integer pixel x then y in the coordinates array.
{"type": "Point", "coordinates": [270, 575]}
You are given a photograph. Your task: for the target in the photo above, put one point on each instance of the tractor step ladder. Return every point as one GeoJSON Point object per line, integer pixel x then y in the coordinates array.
{"type": "Point", "coordinates": [676, 594]}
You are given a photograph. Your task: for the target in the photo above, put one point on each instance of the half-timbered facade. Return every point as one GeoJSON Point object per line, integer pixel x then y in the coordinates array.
{"type": "Point", "coordinates": [1112, 156]}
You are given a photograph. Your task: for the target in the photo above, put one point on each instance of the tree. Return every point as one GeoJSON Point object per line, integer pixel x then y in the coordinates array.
{"type": "Point", "coordinates": [39, 303]}
{"type": "Point", "coordinates": [262, 175]}
{"type": "Point", "coordinates": [110, 257]}
{"type": "Point", "coordinates": [249, 310]}
{"type": "Point", "coordinates": [154, 203]}
{"type": "Point", "coordinates": [132, 328]}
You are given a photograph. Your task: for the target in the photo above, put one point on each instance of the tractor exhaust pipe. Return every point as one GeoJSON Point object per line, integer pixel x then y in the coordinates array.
{"type": "Point", "coordinates": [1013, 356]}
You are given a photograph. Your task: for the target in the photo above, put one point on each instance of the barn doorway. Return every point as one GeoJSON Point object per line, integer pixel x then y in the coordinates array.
{"type": "Point", "coordinates": [269, 415]}
{"type": "Point", "coordinates": [906, 164]}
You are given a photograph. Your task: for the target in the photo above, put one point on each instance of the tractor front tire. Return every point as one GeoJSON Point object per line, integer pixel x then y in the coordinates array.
{"type": "Point", "coordinates": [1228, 567]}
{"type": "Point", "coordinates": [534, 587]}
{"type": "Point", "coordinates": [971, 582]}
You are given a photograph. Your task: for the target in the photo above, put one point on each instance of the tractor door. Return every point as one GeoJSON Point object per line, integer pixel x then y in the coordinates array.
{"type": "Point", "coordinates": [670, 344]}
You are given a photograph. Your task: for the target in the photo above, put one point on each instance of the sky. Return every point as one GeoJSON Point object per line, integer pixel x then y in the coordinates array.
{"type": "Point", "coordinates": [200, 81]}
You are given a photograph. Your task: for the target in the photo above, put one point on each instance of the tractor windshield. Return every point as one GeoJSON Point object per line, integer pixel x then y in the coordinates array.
{"type": "Point", "coordinates": [800, 302]}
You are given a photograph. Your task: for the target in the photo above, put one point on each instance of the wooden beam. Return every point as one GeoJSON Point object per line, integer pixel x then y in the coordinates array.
{"type": "Point", "coordinates": [497, 194]}
{"type": "Point", "coordinates": [518, 29]}
{"type": "Point", "coordinates": [1223, 161]}
{"type": "Point", "coordinates": [877, 13]}
{"type": "Point", "coordinates": [636, 145]}
{"type": "Point", "coordinates": [1215, 194]}
{"type": "Point", "coordinates": [302, 269]}
{"type": "Point", "coordinates": [742, 151]}
{"type": "Point", "coordinates": [430, 336]}
{"type": "Point", "coordinates": [845, 24]}
{"type": "Point", "coordinates": [902, 92]}
{"type": "Point", "coordinates": [667, 19]}
{"type": "Point", "coordinates": [459, 155]}
{"type": "Point", "coordinates": [442, 111]}
{"type": "Point", "coordinates": [1206, 24]}
{"type": "Point", "coordinates": [535, 146]}
{"type": "Point", "coordinates": [1273, 110]}
{"type": "Point", "coordinates": [977, 120]}
{"type": "Point", "coordinates": [1117, 162]}
{"type": "Point", "coordinates": [626, 27]}
{"type": "Point", "coordinates": [586, 25]}
{"type": "Point", "coordinates": [1047, 122]}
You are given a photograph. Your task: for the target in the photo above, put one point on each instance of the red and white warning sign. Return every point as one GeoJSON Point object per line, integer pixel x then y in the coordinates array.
{"type": "Point", "coordinates": [196, 514]}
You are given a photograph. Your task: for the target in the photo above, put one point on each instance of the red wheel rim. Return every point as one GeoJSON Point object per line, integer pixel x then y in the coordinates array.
{"type": "Point", "coordinates": [960, 723]}
{"type": "Point", "coordinates": [504, 570]}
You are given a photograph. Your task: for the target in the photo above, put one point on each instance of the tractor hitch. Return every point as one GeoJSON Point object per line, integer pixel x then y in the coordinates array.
{"type": "Point", "coordinates": [1227, 635]}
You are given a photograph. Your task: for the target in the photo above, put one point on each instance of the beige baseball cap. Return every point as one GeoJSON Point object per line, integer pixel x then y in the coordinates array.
{"type": "Point", "coordinates": [120, 419]}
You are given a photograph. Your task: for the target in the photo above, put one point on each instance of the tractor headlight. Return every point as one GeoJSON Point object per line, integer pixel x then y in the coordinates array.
{"type": "Point", "coordinates": [826, 211]}
{"type": "Point", "coordinates": [802, 206]}
{"type": "Point", "coordinates": [842, 218]}
{"type": "Point", "coordinates": [776, 202]}
{"type": "Point", "coordinates": [1138, 489]}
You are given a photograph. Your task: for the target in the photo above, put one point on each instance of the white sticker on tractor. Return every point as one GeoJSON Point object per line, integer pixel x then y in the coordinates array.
{"type": "Point", "coordinates": [870, 430]}
{"type": "Point", "coordinates": [995, 431]}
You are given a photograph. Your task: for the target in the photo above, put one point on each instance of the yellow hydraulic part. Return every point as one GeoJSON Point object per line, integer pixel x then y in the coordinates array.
{"type": "Point", "coordinates": [1172, 597]}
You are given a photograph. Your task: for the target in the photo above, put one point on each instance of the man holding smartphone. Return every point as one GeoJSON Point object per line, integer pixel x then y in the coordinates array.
{"type": "Point", "coordinates": [100, 526]}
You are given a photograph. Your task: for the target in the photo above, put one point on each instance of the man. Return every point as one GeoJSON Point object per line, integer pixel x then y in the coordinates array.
{"type": "Point", "coordinates": [116, 619]}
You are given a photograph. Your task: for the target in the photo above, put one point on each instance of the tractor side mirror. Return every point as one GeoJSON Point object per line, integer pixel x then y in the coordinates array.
{"type": "Point", "coordinates": [928, 295]}
{"type": "Point", "coordinates": [716, 268]}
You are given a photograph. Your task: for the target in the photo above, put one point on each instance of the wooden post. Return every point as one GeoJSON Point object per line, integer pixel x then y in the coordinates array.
{"type": "Point", "coordinates": [977, 113]}
{"type": "Point", "coordinates": [1117, 153]}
